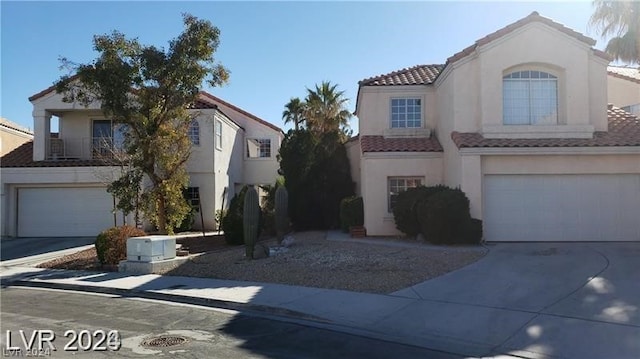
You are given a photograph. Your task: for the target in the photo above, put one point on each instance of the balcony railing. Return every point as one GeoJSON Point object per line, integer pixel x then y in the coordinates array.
{"type": "Point", "coordinates": [80, 148]}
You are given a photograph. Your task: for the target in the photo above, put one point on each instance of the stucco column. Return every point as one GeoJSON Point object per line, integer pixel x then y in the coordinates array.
{"type": "Point", "coordinates": [41, 134]}
{"type": "Point", "coordinates": [471, 183]}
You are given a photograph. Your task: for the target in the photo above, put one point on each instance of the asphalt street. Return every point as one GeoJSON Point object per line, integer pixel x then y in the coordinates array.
{"type": "Point", "coordinates": [208, 333]}
{"type": "Point", "coordinates": [12, 248]}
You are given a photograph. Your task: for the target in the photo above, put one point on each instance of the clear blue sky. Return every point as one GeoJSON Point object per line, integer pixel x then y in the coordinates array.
{"type": "Point", "coordinates": [273, 49]}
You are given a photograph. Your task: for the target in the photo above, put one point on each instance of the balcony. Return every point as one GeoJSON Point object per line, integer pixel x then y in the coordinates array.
{"type": "Point", "coordinates": [90, 148]}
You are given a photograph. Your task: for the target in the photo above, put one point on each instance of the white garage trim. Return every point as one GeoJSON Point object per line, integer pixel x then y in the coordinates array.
{"type": "Point", "coordinates": [63, 211]}
{"type": "Point", "coordinates": [593, 207]}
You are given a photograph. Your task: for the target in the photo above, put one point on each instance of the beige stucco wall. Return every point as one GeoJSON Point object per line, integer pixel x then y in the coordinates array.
{"type": "Point", "coordinates": [374, 108]}
{"type": "Point", "coordinates": [623, 92]}
{"type": "Point", "coordinates": [476, 81]}
{"type": "Point", "coordinates": [377, 219]}
{"type": "Point", "coordinates": [11, 139]}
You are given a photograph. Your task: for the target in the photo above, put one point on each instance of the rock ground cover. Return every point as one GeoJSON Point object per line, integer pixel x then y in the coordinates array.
{"type": "Point", "coordinates": [313, 261]}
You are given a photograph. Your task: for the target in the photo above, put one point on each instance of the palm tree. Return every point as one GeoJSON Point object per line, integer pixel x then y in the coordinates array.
{"type": "Point", "coordinates": [620, 19]}
{"type": "Point", "coordinates": [294, 112]}
{"type": "Point", "coordinates": [327, 108]}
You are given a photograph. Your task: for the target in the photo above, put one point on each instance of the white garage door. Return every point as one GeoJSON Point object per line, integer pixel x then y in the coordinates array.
{"type": "Point", "coordinates": [63, 212]}
{"type": "Point", "coordinates": [562, 207]}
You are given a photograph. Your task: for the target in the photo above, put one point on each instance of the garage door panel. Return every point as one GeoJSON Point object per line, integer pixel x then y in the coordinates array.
{"type": "Point", "coordinates": [562, 207]}
{"type": "Point", "coordinates": [62, 212]}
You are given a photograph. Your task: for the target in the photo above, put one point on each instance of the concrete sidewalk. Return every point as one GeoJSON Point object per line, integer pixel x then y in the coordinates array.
{"type": "Point", "coordinates": [434, 314]}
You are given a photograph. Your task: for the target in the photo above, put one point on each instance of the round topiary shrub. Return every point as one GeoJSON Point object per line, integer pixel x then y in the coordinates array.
{"type": "Point", "coordinates": [444, 218]}
{"type": "Point", "coordinates": [111, 244]}
{"type": "Point", "coordinates": [405, 208]}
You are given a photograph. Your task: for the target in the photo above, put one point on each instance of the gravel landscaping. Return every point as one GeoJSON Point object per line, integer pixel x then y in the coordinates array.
{"type": "Point", "coordinates": [313, 261]}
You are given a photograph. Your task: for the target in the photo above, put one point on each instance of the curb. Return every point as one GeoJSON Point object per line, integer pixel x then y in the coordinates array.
{"type": "Point", "coordinates": [260, 311]}
{"type": "Point", "coordinates": [133, 293]}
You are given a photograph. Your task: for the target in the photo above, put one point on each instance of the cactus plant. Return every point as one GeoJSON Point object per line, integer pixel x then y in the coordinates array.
{"type": "Point", "coordinates": [250, 220]}
{"type": "Point", "coordinates": [282, 212]}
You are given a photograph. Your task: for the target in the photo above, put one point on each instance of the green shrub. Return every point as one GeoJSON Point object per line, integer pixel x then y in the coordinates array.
{"type": "Point", "coordinates": [111, 244]}
{"type": "Point", "coordinates": [219, 215]}
{"type": "Point", "coordinates": [444, 218]}
{"type": "Point", "coordinates": [405, 209]}
{"type": "Point", "coordinates": [473, 233]}
{"type": "Point", "coordinates": [351, 212]}
{"type": "Point", "coordinates": [187, 222]}
{"type": "Point", "coordinates": [232, 221]}
{"type": "Point", "coordinates": [318, 176]}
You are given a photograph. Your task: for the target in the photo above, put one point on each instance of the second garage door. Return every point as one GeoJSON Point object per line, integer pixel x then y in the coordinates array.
{"type": "Point", "coordinates": [63, 212]}
{"type": "Point", "coordinates": [562, 207]}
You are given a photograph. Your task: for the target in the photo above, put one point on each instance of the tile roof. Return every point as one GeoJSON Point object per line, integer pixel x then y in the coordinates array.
{"type": "Point", "coordinates": [624, 130]}
{"type": "Point", "coordinates": [23, 157]}
{"type": "Point", "coordinates": [623, 72]}
{"type": "Point", "coordinates": [416, 75]}
{"type": "Point", "coordinates": [399, 144]}
{"type": "Point", "coordinates": [14, 126]}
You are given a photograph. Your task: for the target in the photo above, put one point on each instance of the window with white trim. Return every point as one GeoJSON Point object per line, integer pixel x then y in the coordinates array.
{"type": "Point", "coordinates": [218, 134]}
{"type": "Point", "coordinates": [399, 184]}
{"type": "Point", "coordinates": [194, 132]}
{"type": "Point", "coordinates": [258, 148]}
{"type": "Point", "coordinates": [530, 98]}
{"type": "Point", "coordinates": [406, 113]}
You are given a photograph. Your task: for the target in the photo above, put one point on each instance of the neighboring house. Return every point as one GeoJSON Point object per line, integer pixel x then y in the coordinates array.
{"type": "Point", "coordinates": [623, 86]}
{"type": "Point", "coordinates": [12, 136]}
{"type": "Point", "coordinates": [520, 122]}
{"type": "Point", "coordinates": [56, 185]}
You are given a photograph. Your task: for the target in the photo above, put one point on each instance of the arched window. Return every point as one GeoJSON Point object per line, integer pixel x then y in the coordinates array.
{"type": "Point", "coordinates": [194, 132]}
{"type": "Point", "coordinates": [530, 98]}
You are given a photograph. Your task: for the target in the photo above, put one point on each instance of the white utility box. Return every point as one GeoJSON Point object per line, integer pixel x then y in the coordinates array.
{"type": "Point", "coordinates": [151, 248]}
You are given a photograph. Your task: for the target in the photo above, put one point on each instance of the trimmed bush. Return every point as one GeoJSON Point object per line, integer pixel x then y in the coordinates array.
{"type": "Point", "coordinates": [351, 212]}
{"type": "Point", "coordinates": [473, 233]}
{"type": "Point", "coordinates": [187, 222]}
{"type": "Point", "coordinates": [444, 218]}
{"type": "Point", "coordinates": [405, 208]}
{"type": "Point", "coordinates": [111, 245]}
{"type": "Point", "coordinates": [232, 221]}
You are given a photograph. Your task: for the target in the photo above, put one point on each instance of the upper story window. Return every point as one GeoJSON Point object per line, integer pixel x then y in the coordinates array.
{"type": "Point", "coordinates": [406, 113]}
{"type": "Point", "coordinates": [530, 98]}
{"type": "Point", "coordinates": [218, 134]}
{"type": "Point", "coordinates": [194, 132]}
{"type": "Point", "coordinates": [107, 137]}
{"type": "Point", "coordinates": [258, 148]}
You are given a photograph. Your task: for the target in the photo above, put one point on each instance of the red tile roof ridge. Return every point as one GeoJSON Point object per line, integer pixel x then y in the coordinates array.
{"type": "Point", "coordinates": [376, 143]}
{"type": "Point", "coordinates": [427, 67]}
{"type": "Point", "coordinates": [623, 130]}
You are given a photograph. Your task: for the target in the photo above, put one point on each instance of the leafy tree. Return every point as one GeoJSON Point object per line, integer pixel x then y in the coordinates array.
{"type": "Point", "coordinates": [294, 112]}
{"type": "Point", "coordinates": [326, 110]}
{"type": "Point", "coordinates": [149, 89]}
{"type": "Point", "coordinates": [621, 20]}
{"type": "Point", "coordinates": [316, 170]}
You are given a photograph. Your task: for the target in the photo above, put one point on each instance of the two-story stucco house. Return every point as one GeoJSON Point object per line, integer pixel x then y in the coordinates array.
{"type": "Point", "coordinates": [520, 122]}
{"type": "Point", "coordinates": [56, 185]}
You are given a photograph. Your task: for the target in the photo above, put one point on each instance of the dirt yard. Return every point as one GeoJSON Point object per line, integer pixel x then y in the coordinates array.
{"type": "Point", "coordinates": [314, 261]}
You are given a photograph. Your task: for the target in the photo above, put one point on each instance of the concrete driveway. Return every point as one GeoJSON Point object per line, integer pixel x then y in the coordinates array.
{"type": "Point", "coordinates": [576, 300]}
{"type": "Point", "coordinates": [14, 248]}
